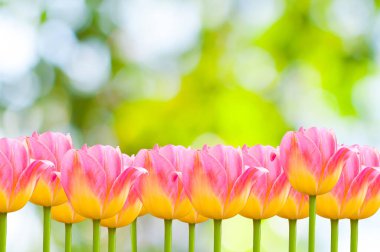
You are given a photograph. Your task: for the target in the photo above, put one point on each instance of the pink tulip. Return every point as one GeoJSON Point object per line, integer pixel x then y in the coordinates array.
{"type": "Point", "coordinates": [269, 193]}
{"type": "Point", "coordinates": [96, 181]}
{"type": "Point", "coordinates": [162, 191]}
{"type": "Point", "coordinates": [49, 146]}
{"type": "Point", "coordinates": [311, 160]}
{"type": "Point", "coordinates": [18, 177]}
{"type": "Point", "coordinates": [217, 182]}
{"type": "Point", "coordinates": [357, 193]}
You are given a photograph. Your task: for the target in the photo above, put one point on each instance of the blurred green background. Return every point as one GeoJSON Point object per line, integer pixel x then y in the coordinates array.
{"type": "Point", "coordinates": [135, 73]}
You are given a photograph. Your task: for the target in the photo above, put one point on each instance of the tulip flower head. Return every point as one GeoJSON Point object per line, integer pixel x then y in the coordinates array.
{"type": "Point", "coordinates": [311, 160]}
{"type": "Point", "coordinates": [96, 181]}
{"type": "Point", "coordinates": [296, 206]}
{"type": "Point", "coordinates": [161, 191]}
{"type": "Point", "coordinates": [49, 146]}
{"type": "Point", "coordinates": [357, 193]}
{"type": "Point", "coordinates": [65, 213]}
{"type": "Point", "coordinates": [269, 193]}
{"type": "Point", "coordinates": [18, 177]}
{"type": "Point", "coordinates": [217, 182]}
{"type": "Point", "coordinates": [193, 217]}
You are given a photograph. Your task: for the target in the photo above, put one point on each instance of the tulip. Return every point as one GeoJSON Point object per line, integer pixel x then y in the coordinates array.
{"type": "Point", "coordinates": [218, 184]}
{"type": "Point", "coordinates": [161, 192]}
{"type": "Point", "coordinates": [296, 207]}
{"type": "Point", "coordinates": [97, 183]}
{"type": "Point", "coordinates": [65, 213]}
{"type": "Point", "coordinates": [48, 192]}
{"type": "Point", "coordinates": [356, 195]}
{"type": "Point", "coordinates": [192, 219]}
{"type": "Point", "coordinates": [18, 178]}
{"type": "Point", "coordinates": [269, 193]}
{"type": "Point", "coordinates": [313, 164]}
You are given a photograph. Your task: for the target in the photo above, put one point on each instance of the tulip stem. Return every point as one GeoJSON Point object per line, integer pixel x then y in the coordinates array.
{"type": "Point", "coordinates": [134, 236]}
{"type": "Point", "coordinates": [312, 206]}
{"type": "Point", "coordinates": [191, 237]}
{"type": "Point", "coordinates": [256, 235]}
{"type": "Point", "coordinates": [68, 232]}
{"type": "Point", "coordinates": [111, 239]}
{"type": "Point", "coordinates": [292, 235]}
{"type": "Point", "coordinates": [168, 235]}
{"type": "Point", "coordinates": [96, 235]}
{"type": "Point", "coordinates": [3, 232]}
{"type": "Point", "coordinates": [47, 221]}
{"type": "Point", "coordinates": [217, 235]}
{"type": "Point", "coordinates": [354, 235]}
{"type": "Point", "coordinates": [334, 235]}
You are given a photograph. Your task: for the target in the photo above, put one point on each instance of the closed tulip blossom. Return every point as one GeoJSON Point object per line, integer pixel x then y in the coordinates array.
{"type": "Point", "coordinates": [296, 207]}
{"type": "Point", "coordinates": [18, 178]}
{"type": "Point", "coordinates": [218, 184]}
{"type": "Point", "coordinates": [269, 193]}
{"type": "Point", "coordinates": [161, 191]}
{"type": "Point", "coordinates": [48, 192]}
{"type": "Point", "coordinates": [97, 183]}
{"type": "Point", "coordinates": [357, 193]}
{"type": "Point", "coordinates": [313, 164]}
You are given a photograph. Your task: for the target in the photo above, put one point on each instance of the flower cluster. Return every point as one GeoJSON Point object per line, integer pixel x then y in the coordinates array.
{"type": "Point", "coordinates": [191, 185]}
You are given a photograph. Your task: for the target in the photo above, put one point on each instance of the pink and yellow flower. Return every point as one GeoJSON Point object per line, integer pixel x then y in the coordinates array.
{"type": "Point", "coordinates": [18, 177]}
{"type": "Point", "coordinates": [49, 146]}
{"type": "Point", "coordinates": [357, 194]}
{"type": "Point", "coordinates": [96, 182]}
{"type": "Point", "coordinates": [65, 213]}
{"type": "Point", "coordinates": [311, 160]}
{"type": "Point", "coordinates": [217, 182]}
{"type": "Point", "coordinates": [161, 191]}
{"type": "Point", "coordinates": [296, 206]}
{"type": "Point", "coordinates": [269, 193]}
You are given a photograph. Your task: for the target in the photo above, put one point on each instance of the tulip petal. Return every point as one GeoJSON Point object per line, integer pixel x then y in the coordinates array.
{"type": "Point", "coordinates": [6, 182]}
{"type": "Point", "coordinates": [26, 183]}
{"type": "Point", "coordinates": [65, 213]}
{"type": "Point", "coordinates": [120, 190]}
{"type": "Point", "coordinates": [84, 182]}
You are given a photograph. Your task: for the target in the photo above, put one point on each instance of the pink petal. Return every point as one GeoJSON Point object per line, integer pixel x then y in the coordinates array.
{"type": "Point", "coordinates": [325, 140]}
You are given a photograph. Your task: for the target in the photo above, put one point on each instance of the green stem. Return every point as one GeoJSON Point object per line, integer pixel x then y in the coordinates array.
{"type": "Point", "coordinates": [68, 234]}
{"type": "Point", "coordinates": [334, 235]}
{"type": "Point", "coordinates": [354, 235]}
{"type": "Point", "coordinates": [134, 236]}
{"type": "Point", "coordinates": [47, 221]}
{"type": "Point", "coordinates": [292, 235]}
{"type": "Point", "coordinates": [3, 232]}
{"type": "Point", "coordinates": [168, 235]}
{"type": "Point", "coordinates": [191, 237]}
{"type": "Point", "coordinates": [96, 235]}
{"type": "Point", "coordinates": [111, 239]}
{"type": "Point", "coordinates": [217, 235]}
{"type": "Point", "coordinates": [256, 235]}
{"type": "Point", "coordinates": [312, 205]}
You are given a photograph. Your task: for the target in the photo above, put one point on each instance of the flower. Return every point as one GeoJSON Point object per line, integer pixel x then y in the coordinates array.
{"type": "Point", "coordinates": [296, 206]}
{"type": "Point", "coordinates": [217, 183]}
{"type": "Point", "coordinates": [65, 213]}
{"type": "Point", "coordinates": [18, 177]}
{"type": "Point", "coordinates": [311, 160]}
{"type": "Point", "coordinates": [357, 193]}
{"type": "Point", "coordinates": [162, 191]}
{"type": "Point", "coordinates": [269, 193]}
{"type": "Point", "coordinates": [49, 146]}
{"type": "Point", "coordinates": [96, 181]}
